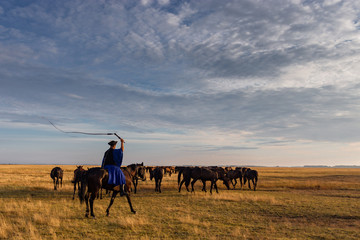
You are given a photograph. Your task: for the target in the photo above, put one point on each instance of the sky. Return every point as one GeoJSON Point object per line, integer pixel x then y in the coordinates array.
{"type": "Point", "coordinates": [190, 82]}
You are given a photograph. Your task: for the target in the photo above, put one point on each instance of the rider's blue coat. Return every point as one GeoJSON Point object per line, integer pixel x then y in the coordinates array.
{"type": "Point", "coordinates": [112, 162]}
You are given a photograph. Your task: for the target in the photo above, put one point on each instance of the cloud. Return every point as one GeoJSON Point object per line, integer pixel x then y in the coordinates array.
{"type": "Point", "coordinates": [283, 72]}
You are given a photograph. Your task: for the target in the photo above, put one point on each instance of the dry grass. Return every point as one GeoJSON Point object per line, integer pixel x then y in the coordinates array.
{"type": "Point", "coordinates": [290, 203]}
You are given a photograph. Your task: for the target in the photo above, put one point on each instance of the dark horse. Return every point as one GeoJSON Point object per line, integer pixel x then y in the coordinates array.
{"type": "Point", "coordinates": [158, 174]}
{"type": "Point", "coordinates": [78, 172]}
{"type": "Point", "coordinates": [57, 174]}
{"type": "Point", "coordinates": [186, 173]}
{"type": "Point", "coordinates": [137, 171]}
{"type": "Point", "coordinates": [197, 173]}
{"type": "Point", "coordinates": [204, 174]}
{"type": "Point", "coordinates": [233, 175]}
{"type": "Point", "coordinates": [96, 178]}
{"type": "Point", "coordinates": [252, 175]}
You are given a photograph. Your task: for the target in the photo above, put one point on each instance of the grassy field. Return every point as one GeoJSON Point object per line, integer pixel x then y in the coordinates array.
{"type": "Point", "coordinates": [290, 203]}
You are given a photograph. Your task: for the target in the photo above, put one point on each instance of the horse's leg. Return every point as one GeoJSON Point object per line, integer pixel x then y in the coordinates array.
{"type": "Point", "coordinates": [204, 186]}
{"type": "Point", "coordinates": [249, 183]}
{"type": "Point", "coordinates": [54, 183]}
{"type": "Point", "coordinates": [130, 204]}
{"type": "Point", "coordinates": [87, 204]}
{"type": "Point", "coordinates": [57, 183]}
{"type": "Point", "coordinates": [156, 184]}
{"type": "Point", "coordinates": [181, 183]}
{"type": "Point", "coordinates": [61, 182]}
{"type": "Point", "coordinates": [74, 190]}
{"type": "Point", "coordinates": [134, 183]}
{"type": "Point", "coordinates": [160, 185]}
{"type": "Point", "coordinates": [212, 185]}
{"type": "Point", "coordinates": [234, 183]}
{"type": "Point", "coordinates": [187, 183]}
{"type": "Point", "coordinates": [254, 184]}
{"type": "Point", "coordinates": [192, 185]}
{"type": "Point", "coordinates": [92, 198]}
{"type": "Point", "coordinates": [216, 188]}
{"type": "Point", "coordinates": [111, 202]}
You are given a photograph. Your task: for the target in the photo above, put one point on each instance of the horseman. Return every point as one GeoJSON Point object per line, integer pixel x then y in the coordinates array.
{"type": "Point", "coordinates": [112, 162]}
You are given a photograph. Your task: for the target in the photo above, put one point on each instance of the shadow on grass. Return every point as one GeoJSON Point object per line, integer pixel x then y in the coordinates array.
{"type": "Point", "coordinates": [34, 192]}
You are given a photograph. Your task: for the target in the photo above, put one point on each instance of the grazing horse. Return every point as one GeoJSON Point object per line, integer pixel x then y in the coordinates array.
{"type": "Point", "coordinates": [78, 172]}
{"type": "Point", "coordinates": [136, 171]}
{"type": "Point", "coordinates": [57, 174]}
{"type": "Point", "coordinates": [158, 175]}
{"type": "Point", "coordinates": [96, 178]}
{"type": "Point", "coordinates": [222, 176]}
{"type": "Point", "coordinates": [204, 174]}
{"type": "Point", "coordinates": [252, 175]}
{"type": "Point", "coordinates": [233, 175]}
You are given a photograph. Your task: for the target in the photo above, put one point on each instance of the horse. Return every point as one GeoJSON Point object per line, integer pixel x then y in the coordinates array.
{"type": "Point", "coordinates": [252, 175]}
{"type": "Point", "coordinates": [243, 170]}
{"type": "Point", "coordinates": [57, 174]}
{"type": "Point", "coordinates": [204, 174]}
{"type": "Point", "coordinates": [158, 175]}
{"type": "Point", "coordinates": [233, 175]}
{"type": "Point", "coordinates": [78, 172]}
{"type": "Point", "coordinates": [137, 171]}
{"type": "Point", "coordinates": [186, 173]}
{"type": "Point", "coordinates": [168, 170]}
{"type": "Point", "coordinates": [96, 178]}
{"type": "Point", "coordinates": [222, 175]}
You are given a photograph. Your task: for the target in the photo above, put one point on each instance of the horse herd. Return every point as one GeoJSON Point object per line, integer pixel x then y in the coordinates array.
{"type": "Point", "coordinates": [90, 182]}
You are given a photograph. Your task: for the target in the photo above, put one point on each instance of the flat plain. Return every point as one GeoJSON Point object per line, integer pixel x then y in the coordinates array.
{"type": "Point", "coordinates": [289, 203]}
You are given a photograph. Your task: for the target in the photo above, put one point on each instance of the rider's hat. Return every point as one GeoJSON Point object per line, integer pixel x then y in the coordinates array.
{"type": "Point", "coordinates": [112, 143]}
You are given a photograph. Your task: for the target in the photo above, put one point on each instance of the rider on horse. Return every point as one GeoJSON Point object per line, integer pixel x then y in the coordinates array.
{"type": "Point", "coordinates": [112, 162]}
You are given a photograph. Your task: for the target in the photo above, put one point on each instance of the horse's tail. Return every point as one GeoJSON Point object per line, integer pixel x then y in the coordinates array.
{"type": "Point", "coordinates": [179, 176]}
{"type": "Point", "coordinates": [83, 186]}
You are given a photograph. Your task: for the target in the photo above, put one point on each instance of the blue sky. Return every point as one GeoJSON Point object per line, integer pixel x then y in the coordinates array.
{"type": "Point", "coordinates": [273, 83]}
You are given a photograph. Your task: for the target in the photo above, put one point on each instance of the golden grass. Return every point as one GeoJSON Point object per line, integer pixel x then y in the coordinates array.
{"type": "Point", "coordinates": [290, 203]}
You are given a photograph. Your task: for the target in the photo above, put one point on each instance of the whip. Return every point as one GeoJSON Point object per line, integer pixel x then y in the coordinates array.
{"type": "Point", "coordinates": [86, 133]}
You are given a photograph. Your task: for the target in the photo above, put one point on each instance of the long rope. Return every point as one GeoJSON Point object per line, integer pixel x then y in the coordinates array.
{"type": "Point", "coordinates": [87, 133]}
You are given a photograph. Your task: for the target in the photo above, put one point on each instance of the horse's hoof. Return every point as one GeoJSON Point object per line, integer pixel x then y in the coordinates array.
{"type": "Point", "coordinates": [87, 215]}
{"type": "Point", "coordinates": [134, 212]}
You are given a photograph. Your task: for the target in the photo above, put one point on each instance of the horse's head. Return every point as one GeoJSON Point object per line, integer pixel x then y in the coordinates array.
{"type": "Point", "coordinates": [141, 172]}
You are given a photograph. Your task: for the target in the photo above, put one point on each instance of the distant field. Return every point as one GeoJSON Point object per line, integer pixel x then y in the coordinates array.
{"type": "Point", "coordinates": [290, 203]}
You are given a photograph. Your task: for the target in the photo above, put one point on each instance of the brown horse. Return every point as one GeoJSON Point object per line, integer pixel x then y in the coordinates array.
{"type": "Point", "coordinates": [204, 174]}
{"type": "Point", "coordinates": [96, 178]}
{"type": "Point", "coordinates": [233, 175]}
{"type": "Point", "coordinates": [78, 172]}
{"type": "Point", "coordinates": [222, 176]}
{"type": "Point", "coordinates": [158, 175]}
{"type": "Point", "coordinates": [57, 174]}
{"type": "Point", "coordinates": [137, 171]}
{"type": "Point", "coordinates": [168, 170]}
{"type": "Point", "coordinates": [252, 175]}
{"type": "Point", "coordinates": [185, 172]}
